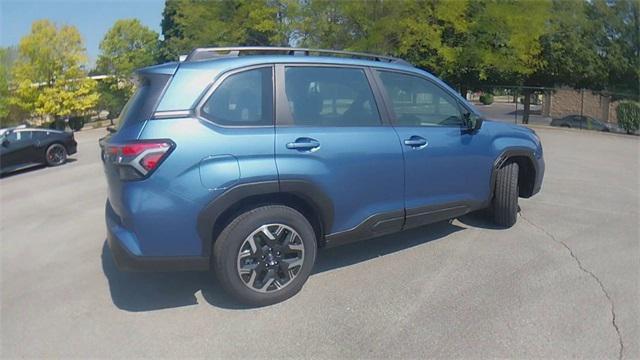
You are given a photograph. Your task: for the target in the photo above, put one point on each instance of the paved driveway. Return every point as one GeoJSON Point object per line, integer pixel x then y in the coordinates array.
{"type": "Point", "coordinates": [564, 282]}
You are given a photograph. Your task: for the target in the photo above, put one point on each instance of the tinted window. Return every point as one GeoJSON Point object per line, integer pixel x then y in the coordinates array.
{"type": "Point", "coordinates": [420, 102]}
{"type": "Point", "coordinates": [39, 135]}
{"type": "Point", "coordinates": [577, 121]}
{"type": "Point", "coordinates": [243, 99]}
{"type": "Point", "coordinates": [19, 136]}
{"type": "Point", "coordinates": [141, 105]}
{"type": "Point", "coordinates": [330, 96]}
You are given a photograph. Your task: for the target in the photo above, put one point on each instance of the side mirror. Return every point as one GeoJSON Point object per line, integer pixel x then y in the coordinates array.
{"type": "Point", "coordinates": [5, 142]}
{"type": "Point", "coordinates": [112, 130]}
{"type": "Point", "coordinates": [472, 122]}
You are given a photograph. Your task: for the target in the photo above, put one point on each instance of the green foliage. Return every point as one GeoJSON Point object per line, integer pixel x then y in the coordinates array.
{"type": "Point", "coordinates": [628, 113]}
{"type": "Point", "coordinates": [188, 24]}
{"type": "Point", "coordinates": [10, 114]}
{"type": "Point", "coordinates": [486, 99]}
{"type": "Point", "coordinates": [76, 123]}
{"type": "Point", "coordinates": [113, 96]}
{"type": "Point", "coordinates": [4, 83]}
{"type": "Point", "coordinates": [617, 40]}
{"type": "Point", "coordinates": [49, 76]}
{"type": "Point", "coordinates": [469, 43]}
{"type": "Point", "coordinates": [127, 46]}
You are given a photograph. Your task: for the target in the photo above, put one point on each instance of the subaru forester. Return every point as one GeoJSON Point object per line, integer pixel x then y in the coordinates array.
{"type": "Point", "coordinates": [247, 160]}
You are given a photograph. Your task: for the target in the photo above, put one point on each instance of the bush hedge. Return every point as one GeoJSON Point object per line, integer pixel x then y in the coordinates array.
{"type": "Point", "coordinates": [76, 123]}
{"type": "Point", "coordinates": [628, 113]}
{"type": "Point", "coordinates": [486, 99]}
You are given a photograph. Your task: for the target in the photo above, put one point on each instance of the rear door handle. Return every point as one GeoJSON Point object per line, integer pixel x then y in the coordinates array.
{"type": "Point", "coordinates": [304, 144]}
{"type": "Point", "coordinates": [416, 141]}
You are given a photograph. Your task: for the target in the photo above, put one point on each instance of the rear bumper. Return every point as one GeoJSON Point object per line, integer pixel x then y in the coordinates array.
{"type": "Point", "coordinates": [72, 148]}
{"type": "Point", "coordinates": [127, 260]}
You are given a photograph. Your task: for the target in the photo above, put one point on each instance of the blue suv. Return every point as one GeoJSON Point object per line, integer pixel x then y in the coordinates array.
{"type": "Point", "coordinates": [247, 160]}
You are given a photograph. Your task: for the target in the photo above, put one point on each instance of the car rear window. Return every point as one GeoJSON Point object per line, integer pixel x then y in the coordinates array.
{"type": "Point", "coordinates": [142, 103]}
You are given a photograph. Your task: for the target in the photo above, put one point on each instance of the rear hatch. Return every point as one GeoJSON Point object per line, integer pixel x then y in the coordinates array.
{"type": "Point", "coordinates": [152, 82]}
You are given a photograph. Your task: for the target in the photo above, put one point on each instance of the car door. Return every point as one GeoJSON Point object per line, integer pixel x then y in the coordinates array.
{"type": "Point", "coordinates": [17, 150]}
{"type": "Point", "coordinates": [447, 166]}
{"type": "Point", "coordinates": [578, 122]}
{"type": "Point", "coordinates": [330, 135]}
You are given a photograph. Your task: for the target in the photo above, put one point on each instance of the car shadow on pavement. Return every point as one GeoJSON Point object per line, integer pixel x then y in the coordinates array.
{"type": "Point", "coordinates": [32, 169]}
{"type": "Point", "coordinates": [137, 292]}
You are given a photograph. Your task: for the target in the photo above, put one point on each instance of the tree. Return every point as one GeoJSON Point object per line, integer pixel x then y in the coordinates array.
{"type": "Point", "coordinates": [617, 41]}
{"type": "Point", "coordinates": [127, 46]}
{"type": "Point", "coordinates": [5, 65]}
{"type": "Point", "coordinates": [49, 76]}
{"type": "Point", "coordinates": [569, 53]}
{"type": "Point", "coordinates": [188, 24]}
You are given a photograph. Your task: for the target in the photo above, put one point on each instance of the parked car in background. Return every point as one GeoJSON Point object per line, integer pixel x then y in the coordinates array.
{"type": "Point", "coordinates": [586, 123]}
{"type": "Point", "coordinates": [248, 164]}
{"type": "Point", "coordinates": [25, 147]}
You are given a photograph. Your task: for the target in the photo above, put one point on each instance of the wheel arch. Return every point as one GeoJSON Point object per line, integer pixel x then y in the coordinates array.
{"type": "Point", "coordinates": [527, 165]}
{"type": "Point", "coordinates": [302, 196]}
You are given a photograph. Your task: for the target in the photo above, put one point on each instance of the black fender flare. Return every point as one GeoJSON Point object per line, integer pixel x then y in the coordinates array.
{"type": "Point", "coordinates": [307, 191]}
{"type": "Point", "coordinates": [503, 157]}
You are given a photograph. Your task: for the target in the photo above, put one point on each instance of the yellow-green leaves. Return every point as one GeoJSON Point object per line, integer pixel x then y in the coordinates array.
{"type": "Point", "coordinates": [49, 77]}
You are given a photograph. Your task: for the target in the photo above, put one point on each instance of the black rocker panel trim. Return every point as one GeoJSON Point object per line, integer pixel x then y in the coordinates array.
{"type": "Point", "coordinates": [430, 214]}
{"type": "Point", "coordinates": [373, 226]}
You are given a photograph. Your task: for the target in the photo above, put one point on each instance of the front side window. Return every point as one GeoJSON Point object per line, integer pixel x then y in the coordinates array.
{"type": "Point", "coordinates": [19, 136]}
{"type": "Point", "coordinates": [242, 99]}
{"type": "Point", "coordinates": [419, 102]}
{"type": "Point", "coordinates": [330, 96]}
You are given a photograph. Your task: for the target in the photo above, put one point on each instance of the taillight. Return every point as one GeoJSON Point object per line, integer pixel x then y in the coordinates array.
{"type": "Point", "coordinates": [138, 159]}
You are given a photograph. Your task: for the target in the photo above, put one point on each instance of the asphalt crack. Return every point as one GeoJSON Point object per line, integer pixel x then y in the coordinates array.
{"type": "Point", "coordinates": [590, 273]}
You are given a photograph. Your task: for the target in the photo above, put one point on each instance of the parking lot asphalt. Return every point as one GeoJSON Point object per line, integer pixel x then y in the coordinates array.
{"type": "Point", "coordinates": [563, 282]}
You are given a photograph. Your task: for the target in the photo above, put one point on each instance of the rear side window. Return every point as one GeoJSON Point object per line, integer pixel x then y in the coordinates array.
{"type": "Point", "coordinates": [419, 102]}
{"type": "Point", "coordinates": [39, 135]}
{"type": "Point", "coordinates": [242, 99]}
{"type": "Point", "coordinates": [141, 105]}
{"type": "Point", "coordinates": [330, 96]}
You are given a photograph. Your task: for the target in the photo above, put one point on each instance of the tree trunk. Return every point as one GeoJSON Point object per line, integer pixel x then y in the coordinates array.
{"type": "Point", "coordinates": [527, 106]}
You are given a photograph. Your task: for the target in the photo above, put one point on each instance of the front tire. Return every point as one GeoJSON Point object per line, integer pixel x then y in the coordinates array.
{"type": "Point", "coordinates": [56, 154]}
{"type": "Point", "coordinates": [505, 199]}
{"type": "Point", "coordinates": [265, 255]}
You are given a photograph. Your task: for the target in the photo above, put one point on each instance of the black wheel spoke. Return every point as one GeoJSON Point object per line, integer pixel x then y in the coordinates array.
{"type": "Point", "coordinates": [270, 258]}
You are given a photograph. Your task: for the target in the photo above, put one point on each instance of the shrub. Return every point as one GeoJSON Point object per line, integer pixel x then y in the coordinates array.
{"type": "Point", "coordinates": [629, 116]}
{"type": "Point", "coordinates": [76, 123]}
{"type": "Point", "coordinates": [486, 99]}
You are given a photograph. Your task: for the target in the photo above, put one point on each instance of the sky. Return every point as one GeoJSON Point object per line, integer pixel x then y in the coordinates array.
{"type": "Point", "coordinates": [92, 18]}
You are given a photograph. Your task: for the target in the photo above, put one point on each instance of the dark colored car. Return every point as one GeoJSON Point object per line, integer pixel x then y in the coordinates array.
{"type": "Point", "coordinates": [25, 147]}
{"type": "Point", "coordinates": [584, 122]}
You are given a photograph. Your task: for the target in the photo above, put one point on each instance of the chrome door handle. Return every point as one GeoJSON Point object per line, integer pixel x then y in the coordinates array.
{"type": "Point", "coordinates": [415, 141]}
{"type": "Point", "coordinates": [304, 144]}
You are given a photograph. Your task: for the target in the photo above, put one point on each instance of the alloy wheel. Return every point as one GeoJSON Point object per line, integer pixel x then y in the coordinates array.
{"type": "Point", "coordinates": [56, 154]}
{"type": "Point", "coordinates": [270, 258]}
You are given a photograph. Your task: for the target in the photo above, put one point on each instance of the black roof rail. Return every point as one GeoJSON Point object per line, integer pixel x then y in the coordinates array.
{"type": "Point", "coordinates": [220, 52]}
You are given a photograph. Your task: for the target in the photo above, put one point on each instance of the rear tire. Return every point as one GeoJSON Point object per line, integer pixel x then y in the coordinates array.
{"type": "Point", "coordinates": [56, 154]}
{"type": "Point", "coordinates": [505, 199]}
{"type": "Point", "coordinates": [265, 255]}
